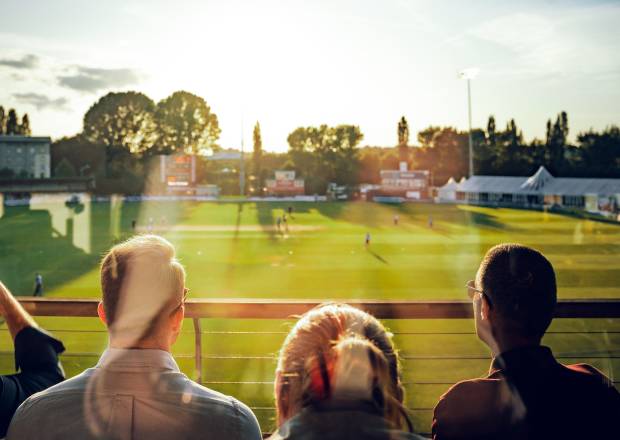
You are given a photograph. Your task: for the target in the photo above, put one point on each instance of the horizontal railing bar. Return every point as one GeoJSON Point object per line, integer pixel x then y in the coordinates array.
{"type": "Point", "coordinates": [286, 309]}
{"type": "Point", "coordinates": [568, 332]}
{"type": "Point", "coordinates": [259, 382]}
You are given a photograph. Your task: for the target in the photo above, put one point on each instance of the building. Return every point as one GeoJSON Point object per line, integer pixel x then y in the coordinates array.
{"type": "Point", "coordinates": [25, 156]}
{"type": "Point", "coordinates": [285, 184]}
{"type": "Point", "coordinates": [405, 184]}
{"type": "Point", "coordinates": [539, 190]}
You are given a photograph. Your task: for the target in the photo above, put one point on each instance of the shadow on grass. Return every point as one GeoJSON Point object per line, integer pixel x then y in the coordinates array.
{"type": "Point", "coordinates": [31, 245]}
{"type": "Point", "coordinates": [266, 219]}
{"type": "Point", "coordinates": [377, 256]}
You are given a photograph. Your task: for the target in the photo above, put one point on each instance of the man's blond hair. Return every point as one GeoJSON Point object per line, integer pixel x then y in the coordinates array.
{"type": "Point", "coordinates": [140, 278]}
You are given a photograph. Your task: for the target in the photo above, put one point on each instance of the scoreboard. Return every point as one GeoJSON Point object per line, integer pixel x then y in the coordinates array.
{"type": "Point", "coordinates": [409, 184]}
{"type": "Point", "coordinates": [285, 183]}
{"type": "Point", "coordinates": [178, 172]}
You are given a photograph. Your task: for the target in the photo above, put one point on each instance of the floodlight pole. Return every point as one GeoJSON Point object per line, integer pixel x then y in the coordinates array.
{"type": "Point", "coordinates": [471, 146]}
{"type": "Point", "coordinates": [241, 165]}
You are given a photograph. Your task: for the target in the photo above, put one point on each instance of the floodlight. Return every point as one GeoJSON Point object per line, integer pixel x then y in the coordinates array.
{"type": "Point", "coordinates": [469, 73]}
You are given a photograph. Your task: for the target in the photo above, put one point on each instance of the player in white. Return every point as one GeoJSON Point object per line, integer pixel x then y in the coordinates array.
{"type": "Point", "coordinates": [396, 219]}
{"type": "Point", "coordinates": [367, 241]}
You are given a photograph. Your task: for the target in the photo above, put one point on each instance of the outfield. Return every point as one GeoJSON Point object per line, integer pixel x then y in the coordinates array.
{"type": "Point", "coordinates": [233, 249]}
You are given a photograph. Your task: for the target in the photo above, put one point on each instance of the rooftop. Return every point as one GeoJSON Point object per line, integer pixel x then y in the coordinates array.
{"type": "Point", "coordinates": [542, 182]}
{"type": "Point", "coordinates": [7, 138]}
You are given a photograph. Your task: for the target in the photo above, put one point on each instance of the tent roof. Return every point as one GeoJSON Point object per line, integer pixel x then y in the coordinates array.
{"type": "Point", "coordinates": [541, 183]}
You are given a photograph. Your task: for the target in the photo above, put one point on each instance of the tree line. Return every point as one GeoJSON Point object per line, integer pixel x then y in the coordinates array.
{"type": "Point", "coordinates": [9, 123]}
{"type": "Point", "coordinates": [122, 132]}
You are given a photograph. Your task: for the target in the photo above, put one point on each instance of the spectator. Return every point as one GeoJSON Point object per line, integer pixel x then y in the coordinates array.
{"type": "Point", "coordinates": [36, 356]}
{"type": "Point", "coordinates": [338, 377]}
{"type": "Point", "coordinates": [136, 391]}
{"type": "Point", "coordinates": [38, 285]}
{"type": "Point", "coordinates": [527, 394]}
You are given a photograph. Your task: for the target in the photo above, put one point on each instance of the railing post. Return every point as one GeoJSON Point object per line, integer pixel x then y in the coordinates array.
{"type": "Point", "coordinates": [198, 349]}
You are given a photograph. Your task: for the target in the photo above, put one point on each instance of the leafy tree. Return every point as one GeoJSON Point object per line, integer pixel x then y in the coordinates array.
{"type": "Point", "coordinates": [85, 157]}
{"type": "Point", "coordinates": [65, 169]}
{"type": "Point", "coordinates": [186, 123]}
{"type": "Point", "coordinates": [491, 135]}
{"type": "Point", "coordinates": [2, 120]}
{"type": "Point", "coordinates": [121, 121]}
{"type": "Point", "coordinates": [556, 142]}
{"type": "Point", "coordinates": [370, 166]}
{"type": "Point", "coordinates": [326, 154]}
{"type": "Point", "coordinates": [403, 139]}
{"type": "Point", "coordinates": [12, 126]}
{"type": "Point", "coordinates": [24, 127]}
{"type": "Point", "coordinates": [257, 156]}
{"type": "Point", "coordinates": [600, 152]}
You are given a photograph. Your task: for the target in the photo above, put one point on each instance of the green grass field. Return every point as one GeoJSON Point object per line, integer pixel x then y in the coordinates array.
{"type": "Point", "coordinates": [233, 250]}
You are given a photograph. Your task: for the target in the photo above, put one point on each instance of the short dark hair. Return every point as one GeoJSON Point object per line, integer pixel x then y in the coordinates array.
{"type": "Point", "coordinates": [520, 283]}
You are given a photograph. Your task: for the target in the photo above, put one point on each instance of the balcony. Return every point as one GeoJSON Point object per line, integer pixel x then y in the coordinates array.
{"type": "Point", "coordinates": [232, 345]}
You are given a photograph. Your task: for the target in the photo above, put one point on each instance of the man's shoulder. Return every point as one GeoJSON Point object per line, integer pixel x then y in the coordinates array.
{"type": "Point", "coordinates": [589, 380]}
{"type": "Point", "coordinates": [200, 393]}
{"type": "Point", "coordinates": [63, 390]}
{"type": "Point", "coordinates": [485, 389]}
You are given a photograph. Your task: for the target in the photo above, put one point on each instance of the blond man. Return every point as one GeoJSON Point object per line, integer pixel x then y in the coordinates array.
{"type": "Point", "coordinates": [136, 390]}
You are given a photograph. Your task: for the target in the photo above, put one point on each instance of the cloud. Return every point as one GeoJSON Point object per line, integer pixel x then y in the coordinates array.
{"type": "Point", "coordinates": [26, 62]}
{"type": "Point", "coordinates": [41, 102]}
{"type": "Point", "coordinates": [544, 44]}
{"type": "Point", "coordinates": [91, 79]}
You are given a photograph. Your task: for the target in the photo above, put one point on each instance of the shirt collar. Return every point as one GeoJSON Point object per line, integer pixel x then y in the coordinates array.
{"type": "Point", "coordinates": [534, 357]}
{"type": "Point", "coordinates": [124, 359]}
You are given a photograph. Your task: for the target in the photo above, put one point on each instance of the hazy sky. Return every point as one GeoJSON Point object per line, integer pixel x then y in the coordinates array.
{"type": "Point", "coordinates": [290, 63]}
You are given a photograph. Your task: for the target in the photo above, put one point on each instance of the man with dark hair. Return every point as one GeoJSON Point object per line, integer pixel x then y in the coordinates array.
{"type": "Point", "coordinates": [527, 394]}
{"type": "Point", "coordinates": [36, 358]}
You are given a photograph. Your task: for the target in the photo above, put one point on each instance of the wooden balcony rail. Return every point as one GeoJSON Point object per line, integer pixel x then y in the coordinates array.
{"type": "Point", "coordinates": [197, 309]}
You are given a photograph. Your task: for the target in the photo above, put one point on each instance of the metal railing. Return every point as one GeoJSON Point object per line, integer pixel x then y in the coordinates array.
{"type": "Point", "coordinates": [240, 309]}
{"type": "Point", "coordinates": [196, 309]}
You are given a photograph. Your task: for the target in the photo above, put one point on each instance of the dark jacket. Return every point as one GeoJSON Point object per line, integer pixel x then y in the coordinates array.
{"type": "Point", "coordinates": [340, 422]}
{"type": "Point", "coordinates": [36, 359]}
{"type": "Point", "coordinates": [529, 395]}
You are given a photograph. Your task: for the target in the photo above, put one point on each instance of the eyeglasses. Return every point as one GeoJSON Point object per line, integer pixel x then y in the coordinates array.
{"type": "Point", "coordinates": [471, 291]}
{"type": "Point", "coordinates": [185, 293]}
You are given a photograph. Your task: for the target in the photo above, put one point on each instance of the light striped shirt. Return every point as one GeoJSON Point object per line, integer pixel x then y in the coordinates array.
{"type": "Point", "coordinates": [132, 395]}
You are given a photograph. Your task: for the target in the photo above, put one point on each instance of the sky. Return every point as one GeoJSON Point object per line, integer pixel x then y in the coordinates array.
{"type": "Point", "coordinates": [291, 63]}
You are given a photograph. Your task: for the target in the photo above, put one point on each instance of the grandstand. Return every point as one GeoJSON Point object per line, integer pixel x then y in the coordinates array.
{"type": "Point", "coordinates": [540, 189]}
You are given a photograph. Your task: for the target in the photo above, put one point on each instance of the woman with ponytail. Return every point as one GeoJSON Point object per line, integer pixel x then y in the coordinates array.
{"type": "Point", "coordinates": [338, 377]}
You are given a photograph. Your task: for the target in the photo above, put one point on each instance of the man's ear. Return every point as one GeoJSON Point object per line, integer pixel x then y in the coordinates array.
{"type": "Point", "coordinates": [177, 318]}
{"type": "Point", "coordinates": [101, 313]}
{"type": "Point", "coordinates": [485, 308]}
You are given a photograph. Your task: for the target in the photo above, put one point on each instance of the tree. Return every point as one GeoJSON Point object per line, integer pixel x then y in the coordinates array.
{"type": "Point", "coordinates": [2, 120]}
{"type": "Point", "coordinates": [370, 166]}
{"type": "Point", "coordinates": [326, 154]}
{"type": "Point", "coordinates": [403, 139]}
{"type": "Point", "coordinates": [556, 142]}
{"type": "Point", "coordinates": [86, 158]}
{"type": "Point", "coordinates": [601, 152]}
{"type": "Point", "coordinates": [186, 123]}
{"type": "Point", "coordinates": [257, 156]}
{"type": "Point", "coordinates": [24, 127]}
{"type": "Point", "coordinates": [11, 123]}
{"type": "Point", "coordinates": [64, 169]}
{"type": "Point", "coordinates": [121, 121]}
{"type": "Point", "coordinates": [491, 135]}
